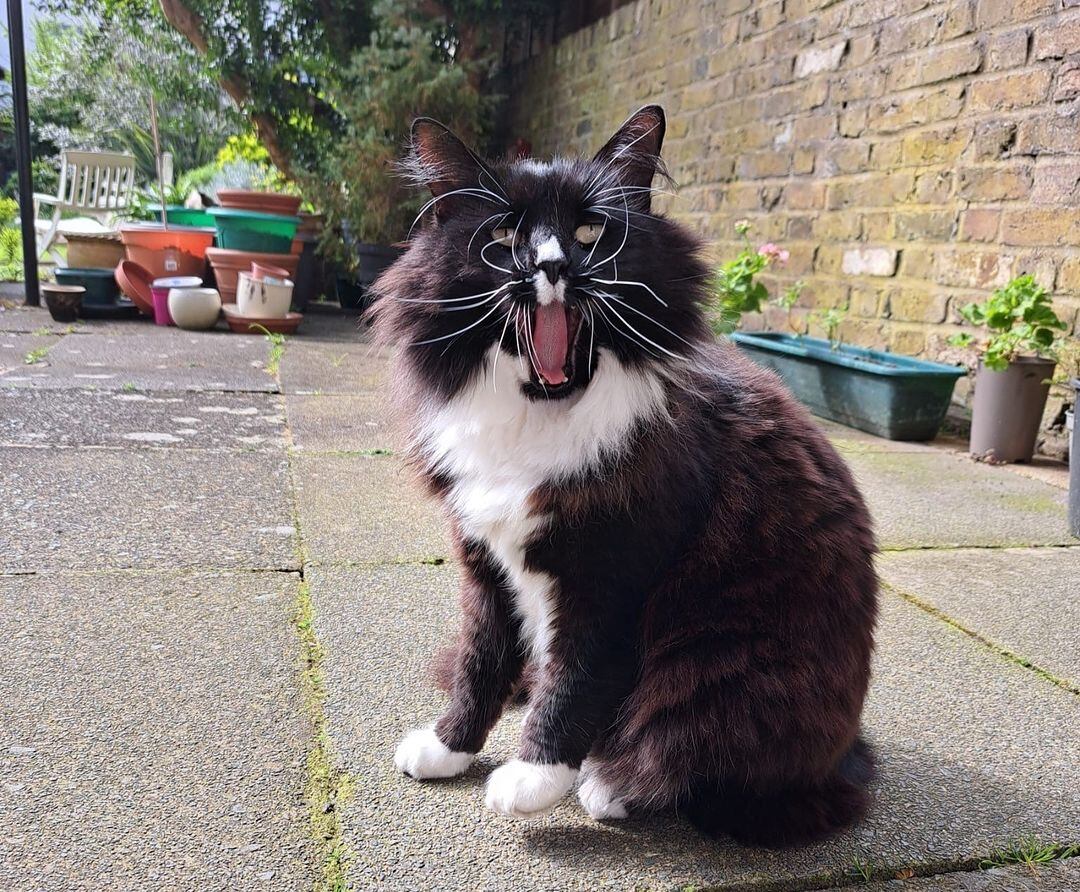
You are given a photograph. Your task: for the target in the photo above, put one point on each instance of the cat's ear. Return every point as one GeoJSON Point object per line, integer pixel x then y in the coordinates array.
{"type": "Point", "coordinates": [633, 153]}
{"type": "Point", "coordinates": [443, 163]}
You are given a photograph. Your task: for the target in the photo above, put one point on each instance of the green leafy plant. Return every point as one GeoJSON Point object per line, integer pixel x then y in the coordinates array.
{"type": "Point", "coordinates": [11, 269]}
{"type": "Point", "coordinates": [9, 209]}
{"type": "Point", "coordinates": [1020, 320]}
{"type": "Point", "coordinates": [831, 319]}
{"type": "Point", "coordinates": [736, 286]}
{"type": "Point", "coordinates": [277, 347]}
{"type": "Point", "coordinates": [1030, 852]}
{"type": "Point", "coordinates": [33, 357]}
{"type": "Point", "coordinates": [787, 299]}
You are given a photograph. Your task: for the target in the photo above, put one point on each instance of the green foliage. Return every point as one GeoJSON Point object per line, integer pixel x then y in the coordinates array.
{"type": "Point", "coordinates": [736, 287]}
{"type": "Point", "coordinates": [90, 82]}
{"type": "Point", "coordinates": [404, 73]}
{"type": "Point", "coordinates": [830, 320]}
{"type": "Point", "coordinates": [1021, 320]}
{"type": "Point", "coordinates": [11, 268]}
{"type": "Point", "coordinates": [1030, 852]}
{"type": "Point", "coordinates": [9, 210]}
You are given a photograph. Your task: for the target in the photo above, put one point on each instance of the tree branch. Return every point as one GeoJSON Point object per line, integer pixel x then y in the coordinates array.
{"type": "Point", "coordinates": [190, 25]}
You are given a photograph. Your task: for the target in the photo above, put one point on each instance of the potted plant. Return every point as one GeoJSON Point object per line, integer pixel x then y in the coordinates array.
{"type": "Point", "coordinates": [1015, 364]}
{"type": "Point", "coordinates": [1068, 376]}
{"type": "Point", "coordinates": [893, 396]}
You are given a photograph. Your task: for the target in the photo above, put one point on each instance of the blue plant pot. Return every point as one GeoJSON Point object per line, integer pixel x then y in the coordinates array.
{"type": "Point", "coordinates": [885, 394]}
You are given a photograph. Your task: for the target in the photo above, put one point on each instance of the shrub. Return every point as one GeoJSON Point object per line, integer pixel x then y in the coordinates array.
{"type": "Point", "coordinates": [736, 287]}
{"type": "Point", "coordinates": [11, 269]}
{"type": "Point", "coordinates": [1020, 320]}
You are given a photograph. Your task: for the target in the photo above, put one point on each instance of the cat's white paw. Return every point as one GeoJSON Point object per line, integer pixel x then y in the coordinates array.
{"type": "Point", "coordinates": [599, 800]}
{"type": "Point", "coordinates": [524, 789]}
{"type": "Point", "coordinates": [422, 756]}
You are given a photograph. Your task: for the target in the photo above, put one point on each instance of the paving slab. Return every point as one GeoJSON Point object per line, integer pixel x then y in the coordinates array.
{"type": "Point", "coordinates": [177, 419]}
{"type": "Point", "coordinates": [179, 360]}
{"type": "Point", "coordinates": [16, 349]}
{"type": "Point", "coordinates": [325, 367]}
{"type": "Point", "coordinates": [365, 509]}
{"type": "Point", "coordinates": [942, 500]}
{"type": "Point", "coordinates": [974, 753]}
{"type": "Point", "coordinates": [850, 439]}
{"type": "Point", "coordinates": [145, 508]}
{"type": "Point", "coordinates": [342, 422]}
{"type": "Point", "coordinates": [1060, 876]}
{"type": "Point", "coordinates": [152, 733]}
{"type": "Point", "coordinates": [27, 319]}
{"type": "Point", "coordinates": [1023, 600]}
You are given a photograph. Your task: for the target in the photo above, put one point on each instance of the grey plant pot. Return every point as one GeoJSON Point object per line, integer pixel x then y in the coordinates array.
{"type": "Point", "coordinates": [1008, 408]}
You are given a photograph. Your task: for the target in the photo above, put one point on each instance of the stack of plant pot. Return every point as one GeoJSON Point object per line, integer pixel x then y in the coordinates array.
{"type": "Point", "coordinates": [253, 227]}
{"type": "Point", "coordinates": [263, 297]}
{"type": "Point", "coordinates": [90, 261]}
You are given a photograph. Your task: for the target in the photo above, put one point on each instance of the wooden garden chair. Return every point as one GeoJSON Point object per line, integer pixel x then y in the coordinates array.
{"type": "Point", "coordinates": [95, 186]}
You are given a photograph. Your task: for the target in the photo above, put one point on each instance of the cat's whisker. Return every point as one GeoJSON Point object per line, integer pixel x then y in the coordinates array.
{"type": "Point", "coordinates": [498, 350]}
{"type": "Point", "coordinates": [468, 248]}
{"type": "Point", "coordinates": [592, 334]}
{"type": "Point", "coordinates": [603, 229]}
{"type": "Point", "coordinates": [513, 245]}
{"type": "Point", "coordinates": [485, 194]}
{"type": "Point", "coordinates": [494, 182]}
{"type": "Point", "coordinates": [517, 338]}
{"type": "Point", "coordinates": [462, 331]}
{"type": "Point", "coordinates": [501, 269]}
{"type": "Point", "coordinates": [618, 251]}
{"type": "Point", "coordinates": [451, 300]}
{"type": "Point", "coordinates": [534, 358]}
{"type": "Point", "coordinates": [638, 333]}
{"type": "Point", "coordinates": [613, 328]}
{"type": "Point", "coordinates": [655, 322]}
{"type": "Point", "coordinates": [479, 303]}
{"type": "Point", "coordinates": [617, 281]}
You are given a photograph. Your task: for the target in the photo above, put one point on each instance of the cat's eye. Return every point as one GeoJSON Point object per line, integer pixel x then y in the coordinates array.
{"type": "Point", "coordinates": [504, 235]}
{"type": "Point", "coordinates": [588, 233]}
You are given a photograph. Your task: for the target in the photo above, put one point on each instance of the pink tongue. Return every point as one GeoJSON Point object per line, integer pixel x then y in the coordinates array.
{"type": "Point", "coordinates": [549, 341]}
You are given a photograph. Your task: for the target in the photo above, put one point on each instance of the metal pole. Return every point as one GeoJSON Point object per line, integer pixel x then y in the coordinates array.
{"type": "Point", "coordinates": [22, 150]}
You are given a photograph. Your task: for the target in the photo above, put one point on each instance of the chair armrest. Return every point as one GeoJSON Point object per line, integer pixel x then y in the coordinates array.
{"type": "Point", "coordinates": [42, 198]}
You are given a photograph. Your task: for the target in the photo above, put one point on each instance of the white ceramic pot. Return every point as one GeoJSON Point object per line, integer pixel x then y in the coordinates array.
{"type": "Point", "coordinates": [195, 309]}
{"type": "Point", "coordinates": [263, 299]}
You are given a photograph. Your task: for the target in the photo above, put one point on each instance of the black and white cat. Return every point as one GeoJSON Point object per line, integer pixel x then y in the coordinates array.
{"type": "Point", "coordinates": [647, 526]}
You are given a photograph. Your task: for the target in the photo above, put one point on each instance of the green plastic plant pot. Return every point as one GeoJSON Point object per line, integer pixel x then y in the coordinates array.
{"type": "Point", "coordinates": [182, 216]}
{"type": "Point", "coordinates": [885, 394]}
{"type": "Point", "coordinates": [100, 284]}
{"type": "Point", "coordinates": [240, 230]}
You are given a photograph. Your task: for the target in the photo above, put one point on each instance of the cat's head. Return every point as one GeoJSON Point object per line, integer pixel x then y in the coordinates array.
{"type": "Point", "coordinates": [561, 263]}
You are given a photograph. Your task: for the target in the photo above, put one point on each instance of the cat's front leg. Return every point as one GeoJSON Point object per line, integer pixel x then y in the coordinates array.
{"type": "Point", "coordinates": [487, 664]}
{"type": "Point", "coordinates": [586, 676]}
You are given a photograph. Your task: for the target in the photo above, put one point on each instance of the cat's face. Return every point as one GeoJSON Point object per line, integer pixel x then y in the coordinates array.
{"type": "Point", "coordinates": [561, 264]}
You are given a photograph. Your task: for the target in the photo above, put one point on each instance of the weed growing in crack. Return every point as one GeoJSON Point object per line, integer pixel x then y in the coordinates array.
{"type": "Point", "coordinates": [1030, 852]}
{"type": "Point", "coordinates": [326, 788]}
{"type": "Point", "coordinates": [277, 347]}
{"type": "Point", "coordinates": [35, 356]}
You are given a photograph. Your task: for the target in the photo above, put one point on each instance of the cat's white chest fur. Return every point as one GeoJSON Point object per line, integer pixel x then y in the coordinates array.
{"type": "Point", "coordinates": [498, 447]}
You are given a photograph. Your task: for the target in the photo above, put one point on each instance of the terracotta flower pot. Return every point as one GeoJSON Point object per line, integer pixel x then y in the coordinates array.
{"type": "Point", "coordinates": [1008, 408]}
{"type": "Point", "coordinates": [266, 202]}
{"type": "Point", "coordinates": [176, 251]}
{"type": "Point", "coordinates": [137, 284]}
{"type": "Point", "coordinates": [228, 265]}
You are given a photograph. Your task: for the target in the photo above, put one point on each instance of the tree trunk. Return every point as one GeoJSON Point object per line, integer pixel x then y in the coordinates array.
{"type": "Point", "coordinates": [188, 23]}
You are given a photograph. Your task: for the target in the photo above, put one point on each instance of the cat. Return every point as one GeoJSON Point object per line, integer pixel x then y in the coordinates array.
{"type": "Point", "coordinates": [644, 520]}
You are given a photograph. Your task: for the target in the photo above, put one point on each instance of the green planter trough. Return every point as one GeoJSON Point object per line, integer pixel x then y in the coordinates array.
{"type": "Point", "coordinates": [254, 231]}
{"type": "Point", "coordinates": [892, 396]}
{"type": "Point", "coordinates": [183, 216]}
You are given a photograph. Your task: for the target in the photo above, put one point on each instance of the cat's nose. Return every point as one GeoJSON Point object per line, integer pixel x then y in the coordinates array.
{"type": "Point", "coordinates": [552, 269]}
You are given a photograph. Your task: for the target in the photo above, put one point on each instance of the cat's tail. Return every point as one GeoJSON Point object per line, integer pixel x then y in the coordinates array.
{"type": "Point", "coordinates": [792, 816]}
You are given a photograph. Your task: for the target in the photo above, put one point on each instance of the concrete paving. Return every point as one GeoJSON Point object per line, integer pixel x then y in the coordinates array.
{"type": "Point", "coordinates": [149, 737]}
{"type": "Point", "coordinates": [365, 509]}
{"type": "Point", "coordinates": [1023, 600]}
{"type": "Point", "coordinates": [144, 508]}
{"type": "Point", "coordinates": [975, 752]}
{"type": "Point", "coordinates": [155, 726]}
{"type": "Point", "coordinates": [178, 419]}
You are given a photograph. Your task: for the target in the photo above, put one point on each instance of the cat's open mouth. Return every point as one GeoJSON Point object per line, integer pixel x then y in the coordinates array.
{"type": "Point", "coordinates": [553, 340]}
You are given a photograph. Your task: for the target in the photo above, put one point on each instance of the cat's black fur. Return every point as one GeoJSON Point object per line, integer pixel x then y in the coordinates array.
{"type": "Point", "coordinates": [713, 590]}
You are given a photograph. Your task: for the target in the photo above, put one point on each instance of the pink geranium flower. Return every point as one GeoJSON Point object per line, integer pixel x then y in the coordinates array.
{"type": "Point", "coordinates": [774, 253]}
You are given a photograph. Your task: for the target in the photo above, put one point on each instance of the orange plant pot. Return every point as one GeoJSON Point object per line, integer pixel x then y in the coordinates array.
{"type": "Point", "coordinates": [176, 251]}
{"type": "Point", "coordinates": [228, 264]}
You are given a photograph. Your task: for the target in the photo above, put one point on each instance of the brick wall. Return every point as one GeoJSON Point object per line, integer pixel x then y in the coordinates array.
{"type": "Point", "coordinates": [912, 155]}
